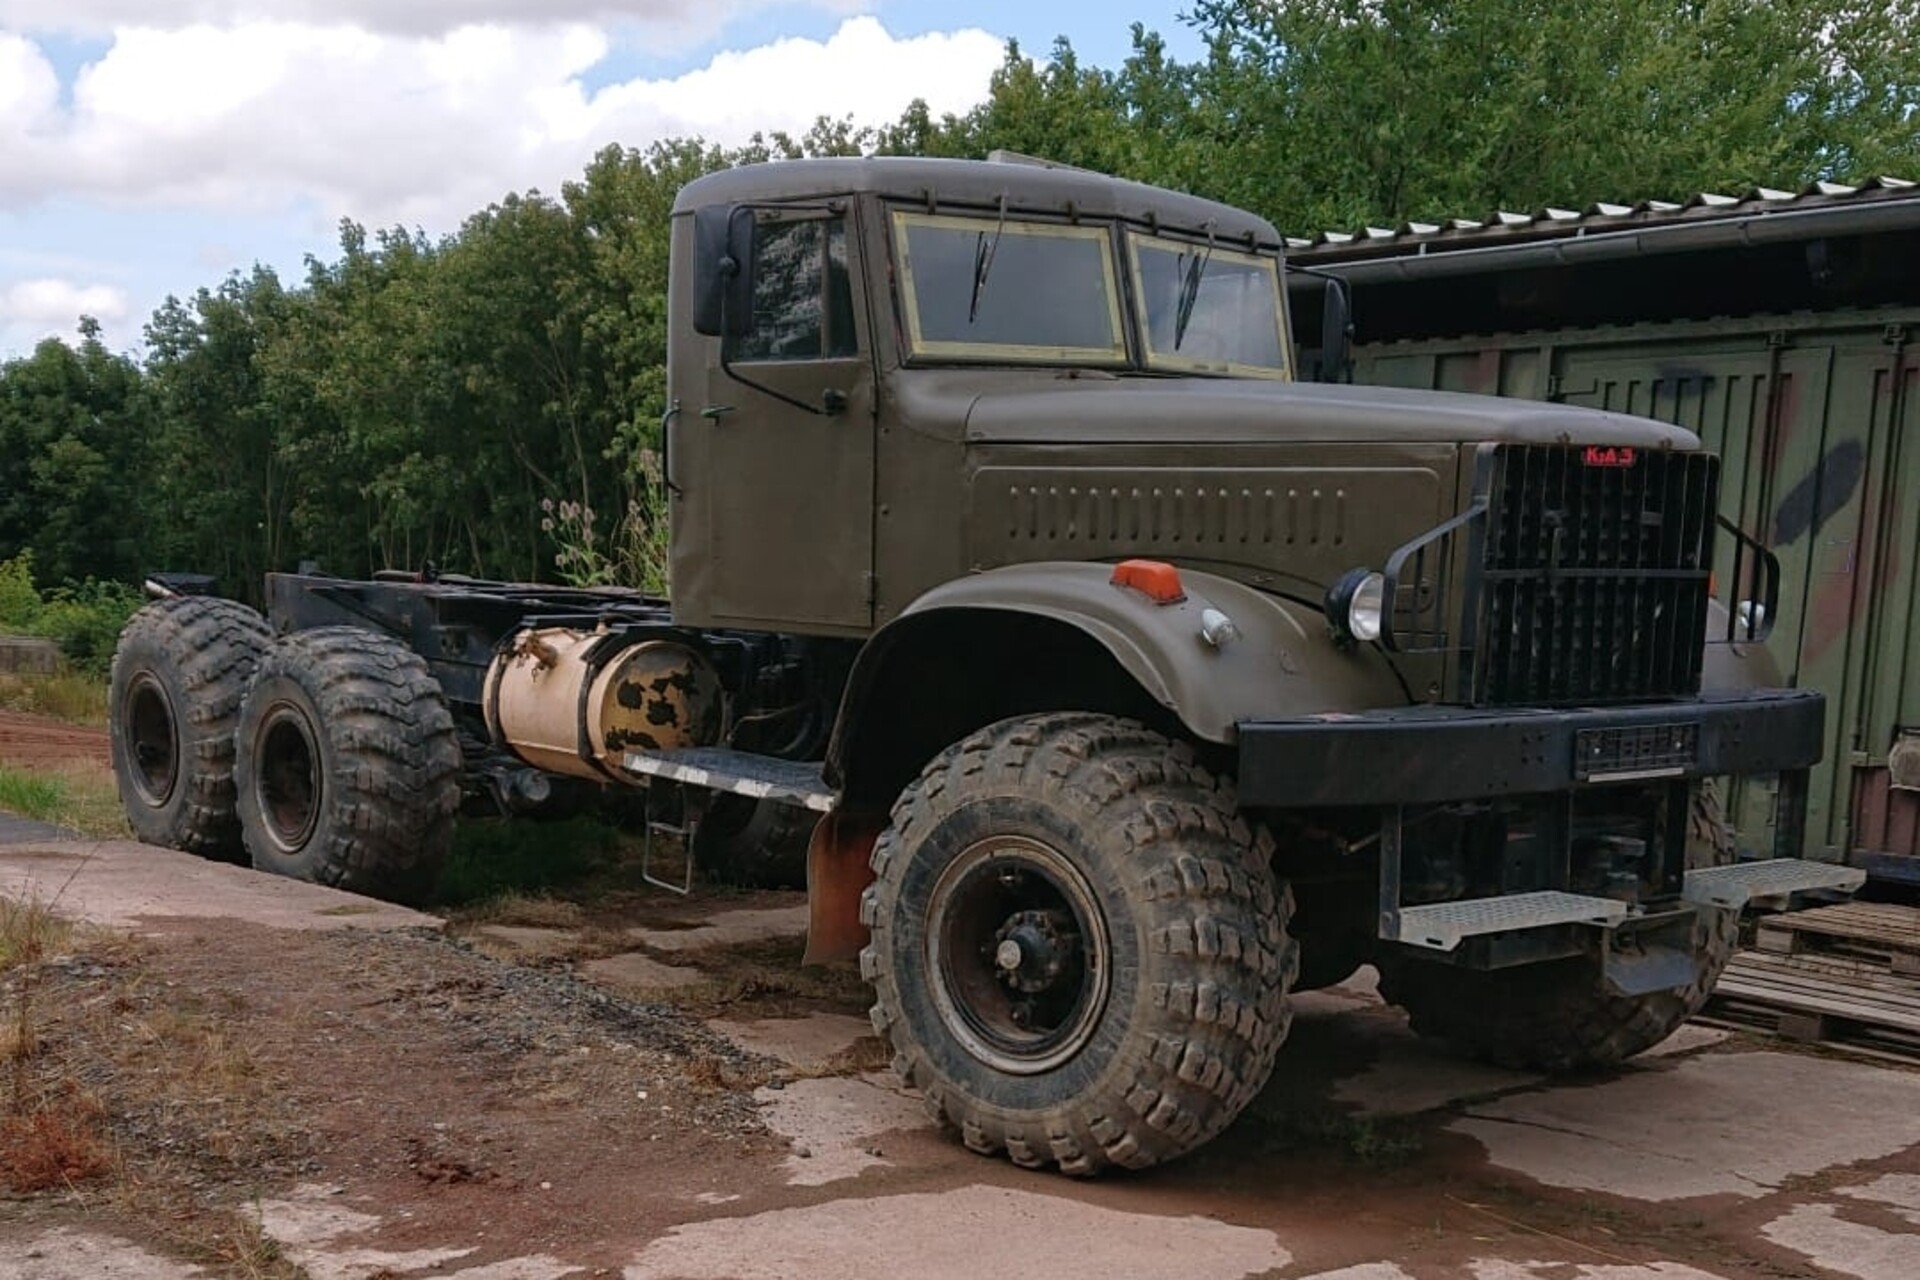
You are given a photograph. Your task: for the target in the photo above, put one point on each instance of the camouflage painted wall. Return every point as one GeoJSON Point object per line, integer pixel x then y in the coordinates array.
{"type": "Point", "coordinates": [1815, 416]}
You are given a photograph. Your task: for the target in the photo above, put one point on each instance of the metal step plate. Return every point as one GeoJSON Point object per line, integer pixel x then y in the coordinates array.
{"type": "Point", "coordinates": [794, 782]}
{"type": "Point", "coordinates": [1444, 925]}
{"type": "Point", "coordinates": [1774, 880]}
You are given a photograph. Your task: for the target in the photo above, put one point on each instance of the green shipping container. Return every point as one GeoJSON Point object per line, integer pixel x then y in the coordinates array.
{"type": "Point", "coordinates": [1782, 328]}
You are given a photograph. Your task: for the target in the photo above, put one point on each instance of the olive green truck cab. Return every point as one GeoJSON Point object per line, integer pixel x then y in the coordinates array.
{"type": "Point", "coordinates": [1119, 681]}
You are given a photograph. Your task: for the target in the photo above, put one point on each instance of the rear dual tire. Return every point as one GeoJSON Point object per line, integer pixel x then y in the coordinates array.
{"type": "Point", "coordinates": [180, 671]}
{"type": "Point", "coordinates": [347, 764]}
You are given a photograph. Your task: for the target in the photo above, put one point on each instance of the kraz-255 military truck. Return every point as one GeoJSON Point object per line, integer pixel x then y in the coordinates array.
{"type": "Point", "coordinates": [1122, 682]}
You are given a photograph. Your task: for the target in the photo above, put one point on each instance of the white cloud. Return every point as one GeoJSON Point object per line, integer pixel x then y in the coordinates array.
{"type": "Point", "coordinates": [59, 302]}
{"type": "Point", "coordinates": [667, 24]}
{"type": "Point", "coordinates": [34, 309]}
{"type": "Point", "coordinates": [417, 129]}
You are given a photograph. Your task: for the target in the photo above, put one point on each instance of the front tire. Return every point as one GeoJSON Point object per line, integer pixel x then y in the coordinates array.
{"type": "Point", "coordinates": [180, 670]}
{"type": "Point", "coordinates": [1079, 951]}
{"type": "Point", "coordinates": [1562, 1016]}
{"type": "Point", "coordinates": [348, 765]}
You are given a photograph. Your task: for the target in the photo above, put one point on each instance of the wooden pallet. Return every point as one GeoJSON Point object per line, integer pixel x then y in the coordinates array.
{"type": "Point", "coordinates": [1824, 998]}
{"type": "Point", "coordinates": [1885, 934]}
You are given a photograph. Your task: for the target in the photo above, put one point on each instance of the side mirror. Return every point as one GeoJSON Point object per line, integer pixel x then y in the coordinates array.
{"type": "Point", "coordinates": [723, 271]}
{"type": "Point", "coordinates": [1336, 331]}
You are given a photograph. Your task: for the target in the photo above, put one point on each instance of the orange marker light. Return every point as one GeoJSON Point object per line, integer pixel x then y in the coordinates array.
{"type": "Point", "coordinates": [1157, 580]}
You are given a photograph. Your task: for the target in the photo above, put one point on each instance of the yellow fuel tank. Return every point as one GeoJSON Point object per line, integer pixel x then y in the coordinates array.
{"type": "Point", "coordinates": [575, 702]}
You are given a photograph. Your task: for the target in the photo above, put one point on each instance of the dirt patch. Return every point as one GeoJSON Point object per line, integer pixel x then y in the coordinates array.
{"type": "Point", "coordinates": [36, 740]}
{"type": "Point", "coordinates": [230, 1062]}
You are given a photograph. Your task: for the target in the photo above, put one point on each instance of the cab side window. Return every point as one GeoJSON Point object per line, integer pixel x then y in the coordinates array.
{"type": "Point", "coordinates": [802, 295]}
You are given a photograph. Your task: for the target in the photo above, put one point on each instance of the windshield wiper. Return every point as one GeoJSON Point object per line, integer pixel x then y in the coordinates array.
{"type": "Point", "coordinates": [983, 251]}
{"type": "Point", "coordinates": [1189, 290]}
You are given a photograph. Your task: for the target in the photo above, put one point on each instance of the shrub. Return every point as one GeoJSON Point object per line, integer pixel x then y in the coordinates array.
{"type": "Point", "coordinates": [83, 618]}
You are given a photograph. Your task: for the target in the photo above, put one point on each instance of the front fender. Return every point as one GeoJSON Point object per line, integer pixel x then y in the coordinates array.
{"type": "Point", "coordinates": [1282, 662]}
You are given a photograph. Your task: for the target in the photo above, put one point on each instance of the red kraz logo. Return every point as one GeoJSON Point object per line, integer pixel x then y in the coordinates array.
{"type": "Point", "coordinates": [1610, 455]}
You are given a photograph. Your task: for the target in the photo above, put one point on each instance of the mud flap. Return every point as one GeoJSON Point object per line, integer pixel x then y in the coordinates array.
{"type": "Point", "coordinates": [837, 874]}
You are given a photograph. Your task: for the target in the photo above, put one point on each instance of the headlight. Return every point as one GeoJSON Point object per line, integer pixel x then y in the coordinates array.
{"type": "Point", "coordinates": [1355, 604]}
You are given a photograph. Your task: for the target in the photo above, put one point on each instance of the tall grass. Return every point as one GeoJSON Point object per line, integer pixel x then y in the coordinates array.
{"type": "Point", "coordinates": [76, 697]}
{"type": "Point", "coordinates": [78, 797]}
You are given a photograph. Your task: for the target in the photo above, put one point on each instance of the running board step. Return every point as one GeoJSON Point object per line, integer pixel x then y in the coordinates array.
{"type": "Point", "coordinates": [1773, 882]}
{"type": "Point", "coordinates": [1443, 926]}
{"type": "Point", "coordinates": [794, 782]}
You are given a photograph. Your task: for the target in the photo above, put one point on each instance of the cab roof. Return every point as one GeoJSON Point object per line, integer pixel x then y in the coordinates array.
{"type": "Point", "coordinates": [1028, 187]}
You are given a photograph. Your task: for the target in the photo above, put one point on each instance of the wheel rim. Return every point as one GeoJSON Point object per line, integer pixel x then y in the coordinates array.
{"type": "Point", "coordinates": [147, 734]}
{"type": "Point", "coordinates": [1018, 954]}
{"type": "Point", "coordinates": [288, 778]}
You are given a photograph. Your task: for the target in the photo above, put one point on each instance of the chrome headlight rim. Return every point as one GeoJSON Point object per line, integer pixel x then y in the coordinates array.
{"type": "Point", "coordinates": [1356, 605]}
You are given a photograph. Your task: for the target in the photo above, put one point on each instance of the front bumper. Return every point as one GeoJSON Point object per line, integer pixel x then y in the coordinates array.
{"type": "Point", "coordinates": [1427, 755]}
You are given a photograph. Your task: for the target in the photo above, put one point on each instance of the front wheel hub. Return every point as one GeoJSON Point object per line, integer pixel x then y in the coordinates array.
{"type": "Point", "coordinates": [1018, 949]}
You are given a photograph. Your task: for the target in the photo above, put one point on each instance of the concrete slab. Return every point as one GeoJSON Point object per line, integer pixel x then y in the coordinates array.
{"type": "Point", "coordinates": [637, 971]}
{"type": "Point", "coordinates": [29, 656]}
{"type": "Point", "coordinates": [960, 1234]}
{"type": "Point", "coordinates": [1734, 1123]}
{"type": "Point", "coordinates": [1846, 1248]}
{"type": "Point", "coordinates": [834, 1124]}
{"type": "Point", "coordinates": [1488, 1269]}
{"type": "Point", "coordinates": [63, 1254]}
{"type": "Point", "coordinates": [319, 1233]}
{"type": "Point", "coordinates": [727, 929]}
{"type": "Point", "coordinates": [1687, 1039]}
{"type": "Point", "coordinates": [1899, 1192]}
{"type": "Point", "coordinates": [1415, 1076]}
{"type": "Point", "coordinates": [809, 1043]}
{"type": "Point", "coordinates": [26, 831]}
{"type": "Point", "coordinates": [121, 884]}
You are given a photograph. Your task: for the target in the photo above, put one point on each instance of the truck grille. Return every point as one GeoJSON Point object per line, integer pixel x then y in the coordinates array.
{"type": "Point", "coordinates": [1593, 579]}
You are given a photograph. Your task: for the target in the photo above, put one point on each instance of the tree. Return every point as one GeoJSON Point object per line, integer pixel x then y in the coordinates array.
{"type": "Point", "coordinates": [75, 428]}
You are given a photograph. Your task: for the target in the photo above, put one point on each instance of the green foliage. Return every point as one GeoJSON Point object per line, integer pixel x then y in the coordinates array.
{"type": "Point", "coordinates": [83, 618]}
{"type": "Point", "coordinates": [491, 858]}
{"type": "Point", "coordinates": [414, 400]}
{"type": "Point", "coordinates": [29, 795]}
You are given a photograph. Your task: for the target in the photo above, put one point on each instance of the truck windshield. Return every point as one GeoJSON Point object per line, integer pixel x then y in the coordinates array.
{"type": "Point", "coordinates": [1207, 309]}
{"type": "Point", "coordinates": [1005, 289]}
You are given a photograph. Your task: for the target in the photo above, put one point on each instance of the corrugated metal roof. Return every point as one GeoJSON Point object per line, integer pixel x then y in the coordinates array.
{"type": "Point", "coordinates": [1507, 227]}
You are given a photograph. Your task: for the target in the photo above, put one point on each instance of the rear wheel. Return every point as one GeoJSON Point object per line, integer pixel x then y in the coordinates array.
{"type": "Point", "coordinates": [1079, 951]}
{"type": "Point", "coordinates": [757, 844]}
{"type": "Point", "coordinates": [348, 764]}
{"type": "Point", "coordinates": [179, 672]}
{"type": "Point", "coordinates": [1562, 1016]}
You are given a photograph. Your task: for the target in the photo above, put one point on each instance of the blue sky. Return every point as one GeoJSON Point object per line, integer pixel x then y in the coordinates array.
{"type": "Point", "coordinates": [145, 155]}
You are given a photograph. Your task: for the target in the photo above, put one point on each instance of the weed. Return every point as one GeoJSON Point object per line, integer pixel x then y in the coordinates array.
{"type": "Point", "coordinates": [69, 696]}
{"type": "Point", "coordinates": [534, 911]}
{"type": "Point", "coordinates": [59, 1143]}
{"type": "Point", "coordinates": [78, 797]}
{"type": "Point", "coordinates": [1369, 1140]}
{"type": "Point", "coordinates": [30, 795]}
{"type": "Point", "coordinates": [499, 857]}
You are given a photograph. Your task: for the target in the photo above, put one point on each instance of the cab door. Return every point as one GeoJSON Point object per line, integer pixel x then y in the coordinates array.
{"type": "Point", "coordinates": [790, 416]}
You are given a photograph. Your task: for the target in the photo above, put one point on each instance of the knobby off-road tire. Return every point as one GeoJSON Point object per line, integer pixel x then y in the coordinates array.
{"type": "Point", "coordinates": [179, 671]}
{"type": "Point", "coordinates": [1150, 936]}
{"type": "Point", "coordinates": [348, 764]}
{"type": "Point", "coordinates": [756, 844]}
{"type": "Point", "coordinates": [1561, 1016]}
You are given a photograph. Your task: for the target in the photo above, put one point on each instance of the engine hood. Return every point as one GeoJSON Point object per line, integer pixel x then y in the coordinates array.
{"type": "Point", "coordinates": [1194, 410]}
